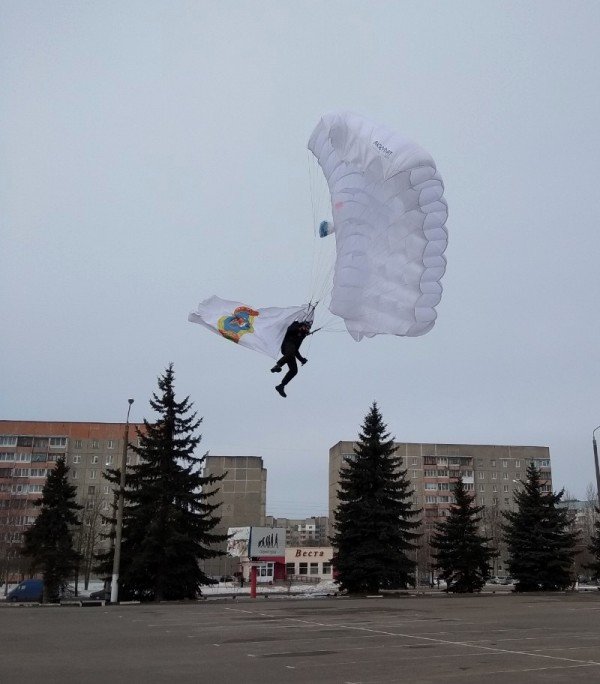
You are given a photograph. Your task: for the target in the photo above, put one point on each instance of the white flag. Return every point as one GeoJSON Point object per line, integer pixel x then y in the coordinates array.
{"type": "Point", "coordinates": [258, 329]}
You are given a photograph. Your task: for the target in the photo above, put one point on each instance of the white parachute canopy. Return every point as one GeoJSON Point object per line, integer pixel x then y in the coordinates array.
{"type": "Point", "coordinates": [389, 219]}
{"type": "Point", "coordinates": [258, 329]}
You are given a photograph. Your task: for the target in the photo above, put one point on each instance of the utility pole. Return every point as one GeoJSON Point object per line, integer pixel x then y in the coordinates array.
{"type": "Point", "coordinates": [114, 589]}
{"type": "Point", "coordinates": [596, 463]}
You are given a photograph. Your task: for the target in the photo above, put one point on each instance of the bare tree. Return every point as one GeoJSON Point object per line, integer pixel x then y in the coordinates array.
{"type": "Point", "coordinates": [13, 522]}
{"type": "Point", "coordinates": [89, 537]}
{"type": "Point", "coordinates": [491, 526]}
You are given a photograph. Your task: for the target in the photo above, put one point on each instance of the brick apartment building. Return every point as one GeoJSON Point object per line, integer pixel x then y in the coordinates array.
{"type": "Point", "coordinates": [29, 450]}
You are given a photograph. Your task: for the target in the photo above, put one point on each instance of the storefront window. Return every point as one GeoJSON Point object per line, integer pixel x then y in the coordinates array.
{"type": "Point", "coordinates": [303, 568]}
{"type": "Point", "coordinates": [326, 568]}
{"type": "Point", "coordinates": [314, 568]}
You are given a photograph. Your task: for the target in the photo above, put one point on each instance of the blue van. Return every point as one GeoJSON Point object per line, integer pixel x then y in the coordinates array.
{"type": "Point", "coordinates": [27, 590]}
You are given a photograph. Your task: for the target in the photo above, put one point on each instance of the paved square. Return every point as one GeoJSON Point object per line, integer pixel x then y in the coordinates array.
{"type": "Point", "coordinates": [421, 640]}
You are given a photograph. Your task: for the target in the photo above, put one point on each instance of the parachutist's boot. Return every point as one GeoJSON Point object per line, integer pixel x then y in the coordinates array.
{"type": "Point", "coordinates": [281, 391]}
{"type": "Point", "coordinates": [276, 369]}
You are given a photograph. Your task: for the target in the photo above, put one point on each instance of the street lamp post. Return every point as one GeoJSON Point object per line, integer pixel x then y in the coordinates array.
{"type": "Point", "coordinates": [596, 463]}
{"type": "Point", "coordinates": [114, 588]}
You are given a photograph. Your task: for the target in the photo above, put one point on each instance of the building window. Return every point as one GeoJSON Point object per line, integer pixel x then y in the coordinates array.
{"type": "Point", "coordinates": [415, 473]}
{"type": "Point", "coordinates": [430, 485]}
{"type": "Point", "coordinates": [107, 489]}
{"type": "Point", "coordinates": [482, 488]}
{"type": "Point", "coordinates": [506, 488]}
{"type": "Point", "coordinates": [290, 568]}
{"type": "Point", "coordinates": [110, 444]}
{"type": "Point", "coordinates": [314, 568]}
{"type": "Point", "coordinates": [504, 463]}
{"type": "Point", "coordinates": [326, 568]}
{"type": "Point", "coordinates": [78, 444]}
{"type": "Point", "coordinates": [494, 476]}
{"type": "Point", "coordinates": [91, 490]}
{"type": "Point", "coordinates": [76, 458]}
{"type": "Point", "coordinates": [507, 501]}
{"type": "Point", "coordinates": [482, 501]}
{"type": "Point", "coordinates": [505, 476]}
{"type": "Point", "coordinates": [58, 442]}
{"type": "Point", "coordinates": [95, 458]}
{"type": "Point", "coordinates": [95, 444]}
{"type": "Point", "coordinates": [75, 475]}
{"type": "Point", "coordinates": [518, 476]}
{"type": "Point", "coordinates": [430, 473]}
{"type": "Point", "coordinates": [93, 474]}
{"type": "Point", "coordinates": [495, 488]}
{"type": "Point", "coordinates": [495, 501]}
{"type": "Point", "coordinates": [493, 463]}
{"type": "Point", "coordinates": [109, 460]}
{"type": "Point", "coordinates": [517, 464]}
{"type": "Point", "coordinates": [481, 476]}
{"type": "Point", "coordinates": [415, 461]}
{"type": "Point", "coordinates": [303, 568]}
{"type": "Point", "coordinates": [8, 440]}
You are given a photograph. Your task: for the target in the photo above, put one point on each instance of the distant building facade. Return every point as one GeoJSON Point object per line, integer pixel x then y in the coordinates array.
{"type": "Point", "coordinates": [28, 452]}
{"type": "Point", "coordinates": [312, 531]}
{"type": "Point", "coordinates": [491, 473]}
{"type": "Point", "coordinates": [242, 495]}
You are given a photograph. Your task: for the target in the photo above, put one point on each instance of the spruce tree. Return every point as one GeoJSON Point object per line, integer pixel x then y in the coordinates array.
{"type": "Point", "coordinates": [168, 518]}
{"type": "Point", "coordinates": [375, 521]}
{"type": "Point", "coordinates": [594, 548]}
{"type": "Point", "coordinates": [49, 541]}
{"type": "Point", "coordinates": [539, 539]}
{"type": "Point", "coordinates": [461, 551]}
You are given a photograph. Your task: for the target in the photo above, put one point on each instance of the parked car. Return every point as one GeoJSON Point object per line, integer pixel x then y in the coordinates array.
{"type": "Point", "coordinates": [28, 590]}
{"type": "Point", "coordinates": [101, 594]}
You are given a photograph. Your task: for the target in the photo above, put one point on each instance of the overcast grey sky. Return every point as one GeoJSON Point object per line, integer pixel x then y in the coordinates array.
{"type": "Point", "coordinates": [153, 153]}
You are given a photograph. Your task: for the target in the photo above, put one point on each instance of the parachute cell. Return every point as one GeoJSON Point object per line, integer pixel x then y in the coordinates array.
{"type": "Point", "coordinates": [389, 218]}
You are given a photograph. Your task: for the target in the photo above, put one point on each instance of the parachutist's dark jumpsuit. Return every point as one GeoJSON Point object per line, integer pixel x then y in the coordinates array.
{"type": "Point", "coordinates": [290, 347]}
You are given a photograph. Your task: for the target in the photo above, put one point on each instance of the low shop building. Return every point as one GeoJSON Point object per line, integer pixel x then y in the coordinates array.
{"type": "Point", "coordinates": [308, 563]}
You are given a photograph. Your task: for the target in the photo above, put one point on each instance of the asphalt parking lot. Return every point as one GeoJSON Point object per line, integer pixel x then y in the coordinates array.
{"type": "Point", "coordinates": [421, 640]}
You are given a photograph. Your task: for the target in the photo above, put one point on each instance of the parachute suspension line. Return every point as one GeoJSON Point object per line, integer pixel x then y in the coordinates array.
{"type": "Point", "coordinates": [317, 196]}
{"type": "Point", "coordinates": [324, 248]}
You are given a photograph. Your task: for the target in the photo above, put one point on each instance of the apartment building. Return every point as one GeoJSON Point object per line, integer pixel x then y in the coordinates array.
{"type": "Point", "coordinates": [312, 531]}
{"type": "Point", "coordinates": [242, 499]}
{"type": "Point", "coordinates": [28, 452]}
{"type": "Point", "coordinates": [492, 473]}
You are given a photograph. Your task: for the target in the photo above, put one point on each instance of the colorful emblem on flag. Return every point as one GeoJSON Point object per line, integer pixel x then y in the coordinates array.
{"type": "Point", "coordinates": [238, 324]}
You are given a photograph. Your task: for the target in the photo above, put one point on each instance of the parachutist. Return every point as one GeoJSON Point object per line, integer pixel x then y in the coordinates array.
{"type": "Point", "coordinates": [290, 348]}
